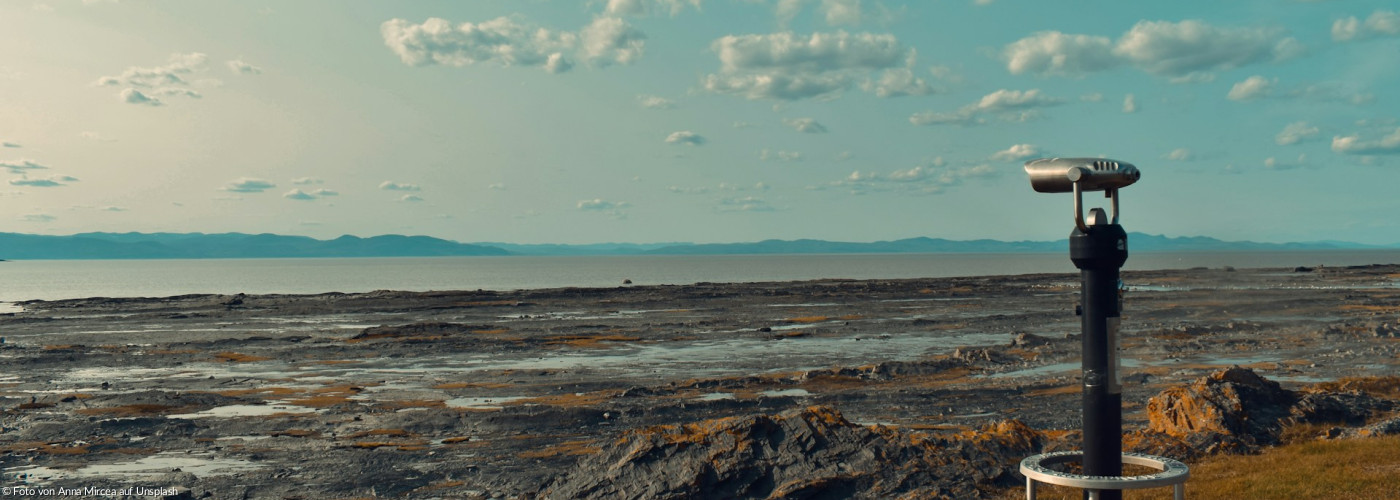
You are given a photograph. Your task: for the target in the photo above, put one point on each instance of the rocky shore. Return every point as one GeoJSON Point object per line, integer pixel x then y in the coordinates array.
{"type": "Point", "coordinates": [912, 388]}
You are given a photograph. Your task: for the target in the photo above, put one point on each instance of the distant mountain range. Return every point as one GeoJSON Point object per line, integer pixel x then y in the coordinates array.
{"type": "Point", "coordinates": [15, 246]}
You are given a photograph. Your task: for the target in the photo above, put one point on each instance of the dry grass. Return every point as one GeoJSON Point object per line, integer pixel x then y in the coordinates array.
{"type": "Point", "coordinates": [233, 357]}
{"type": "Point", "coordinates": [1381, 387]}
{"type": "Point", "coordinates": [1346, 468]}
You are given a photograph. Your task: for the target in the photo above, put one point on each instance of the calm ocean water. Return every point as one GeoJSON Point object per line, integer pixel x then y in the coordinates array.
{"type": "Point", "coordinates": [58, 279]}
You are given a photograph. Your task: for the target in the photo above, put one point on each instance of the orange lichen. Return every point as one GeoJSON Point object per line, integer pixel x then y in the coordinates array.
{"type": "Point", "coordinates": [494, 331]}
{"type": "Point", "coordinates": [568, 448]}
{"type": "Point", "coordinates": [807, 319]}
{"type": "Point", "coordinates": [589, 340]}
{"type": "Point", "coordinates": [1055, 391]}
{"type": "Point", "coordinates": [456, 439]}
{"type": "Point", "coordinates": [399, 404]}
{"type": "Point", "coordinates": [297, 433]}
{"type": "Point", "coordinates": [233, 357]}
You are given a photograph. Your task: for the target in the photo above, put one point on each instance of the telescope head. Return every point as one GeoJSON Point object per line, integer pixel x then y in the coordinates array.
{"type": "Point", "coordinates": [1060, 175]}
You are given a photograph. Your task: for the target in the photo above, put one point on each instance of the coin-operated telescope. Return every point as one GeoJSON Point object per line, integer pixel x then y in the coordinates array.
{"type": "Point", "coordinates": [1098, 247]}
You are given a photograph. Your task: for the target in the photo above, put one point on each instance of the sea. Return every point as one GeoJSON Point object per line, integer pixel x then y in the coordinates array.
{"type": "Point", "coordinates": [63, 279]}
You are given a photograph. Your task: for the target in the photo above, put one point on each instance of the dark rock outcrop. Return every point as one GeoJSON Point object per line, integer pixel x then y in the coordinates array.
{"type": "Point", "coordinates": [809, 453]}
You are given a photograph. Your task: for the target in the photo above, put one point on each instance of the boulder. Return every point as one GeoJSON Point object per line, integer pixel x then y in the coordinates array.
{"type": "Point", "coordinates": [1230, 410]}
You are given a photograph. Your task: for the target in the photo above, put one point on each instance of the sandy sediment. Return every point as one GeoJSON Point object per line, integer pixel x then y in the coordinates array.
{"type": "Point", "coordinates": [502, 394]}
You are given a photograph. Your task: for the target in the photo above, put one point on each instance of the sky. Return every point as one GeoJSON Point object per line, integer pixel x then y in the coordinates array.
{"type": "Point", "coordinates": [586, 121]}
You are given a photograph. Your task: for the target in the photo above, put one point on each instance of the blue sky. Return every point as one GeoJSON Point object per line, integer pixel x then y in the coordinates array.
{"type": "Point", "coordinates": [696, 120]}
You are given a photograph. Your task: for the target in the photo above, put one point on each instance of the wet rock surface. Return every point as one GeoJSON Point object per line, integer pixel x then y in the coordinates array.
{"type": "Point", "coordinates": [546, 393]}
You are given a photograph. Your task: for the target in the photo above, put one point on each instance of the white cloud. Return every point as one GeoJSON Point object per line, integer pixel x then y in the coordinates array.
{"type": "Point", "coordinates": [1158, 47]}
{"type": "Point", "coordinates": [601, 204]}
{"type": "Point", "coordinates": [37, 218]}
{"type": "Point", "coordinates": [605, 41]}
{"type": "Point", "coordinates": [1007, 105]}
{"type": "Point", "coordinates": [394, 186]}
{"type": "Point", "coordinates": [1094, 97]}
{"type": "Point", "coordinates": [133, 96]}
{"type": "Point", "coordinates": [144, 84]}
{"type": "Point", "coordinates": [805, 125]}
{"type": "Point", "coordinates": [923, 179]}
{"type": "Point", "coordinates": [784, 156]}
{"type": "Point", "coordinates": [1356, 145]}
{"type": "Point", "coordinates": [241, 67]}
{"type": "Point", "coordinates": [1276, 164]}
{"type": "Point", "coordinates": [324, 192]}
{"type": "Point", "coordinates": [1295, 133]}
{"type": "Point", "coordinates": [410, 198]}
{"type": "Point", "coordinates": [645, 7]}
{"type": "Point", "coordinates": [21, 166]}
{"type": "Point", "coordinates": [499, 186]}
{"type": "Point", "coordinates": [298, 194]}
{"type": "Point", "coordinates": [654, 102]}
{"type": "Point", "coordinates": [685, 137]}
{"type": "Point", "coordinates": [248, 185]}
{"type": "Point", "coordinates": [610, 40]}
{"type": "Point", "coordinates": [1380, 23]}
{"type": "Point", "coordinates": [306, 181]}
{"type": "Point", "coordinates": [898, 82]}
{"type": "Point", "coordinates": [1180, 154]}
{"type": "Point", "coordinates": [1130, 104]}
{"type": "Point", "coordinates": [616, 209]}
{"type": "Point", "coordinates": [745, 204]}
{"type": "Point", "coordinates": [786, 66]}
{"type": "Point", "coordinates": [1251, 88]}
{"type": "Point", "coordinates": [51, 181]}
{"type": "Point", "coordinates": [1016, 152]}
{"type": "Point", "coordinates": [840, 12]}
{"type": "Point", "coordinates": [1056, 53]}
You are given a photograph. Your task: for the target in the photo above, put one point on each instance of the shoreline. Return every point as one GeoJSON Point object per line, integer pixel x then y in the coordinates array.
{"type": "Point", "coordinates": [501, 393]}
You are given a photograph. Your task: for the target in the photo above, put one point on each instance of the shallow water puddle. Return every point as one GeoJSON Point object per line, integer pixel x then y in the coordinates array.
{"type": "Point", "coordinates": [199, 464]}
{"type": "Point", "coordinates": [494, 403]}
{"type": "Point", "coordinates": [246, 411]}
{"type": "Point", "coordinates": [785, 393]}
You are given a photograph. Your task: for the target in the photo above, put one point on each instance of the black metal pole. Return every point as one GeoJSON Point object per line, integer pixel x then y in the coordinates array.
{"type": "Point", "coordinates": [1099, 254]}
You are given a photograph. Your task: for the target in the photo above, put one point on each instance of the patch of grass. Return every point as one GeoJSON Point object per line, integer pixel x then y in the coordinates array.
{"type": "Point", "coordinates": [1381, 387]}
{"type": "Point", "coordinates": [1344, 468]}
{"type": "Point", "coordinates": [233, 357]}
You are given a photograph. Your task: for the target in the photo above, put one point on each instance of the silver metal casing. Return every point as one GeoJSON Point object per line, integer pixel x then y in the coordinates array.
{"type": "Point", "coordinates": [1059, 175]}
